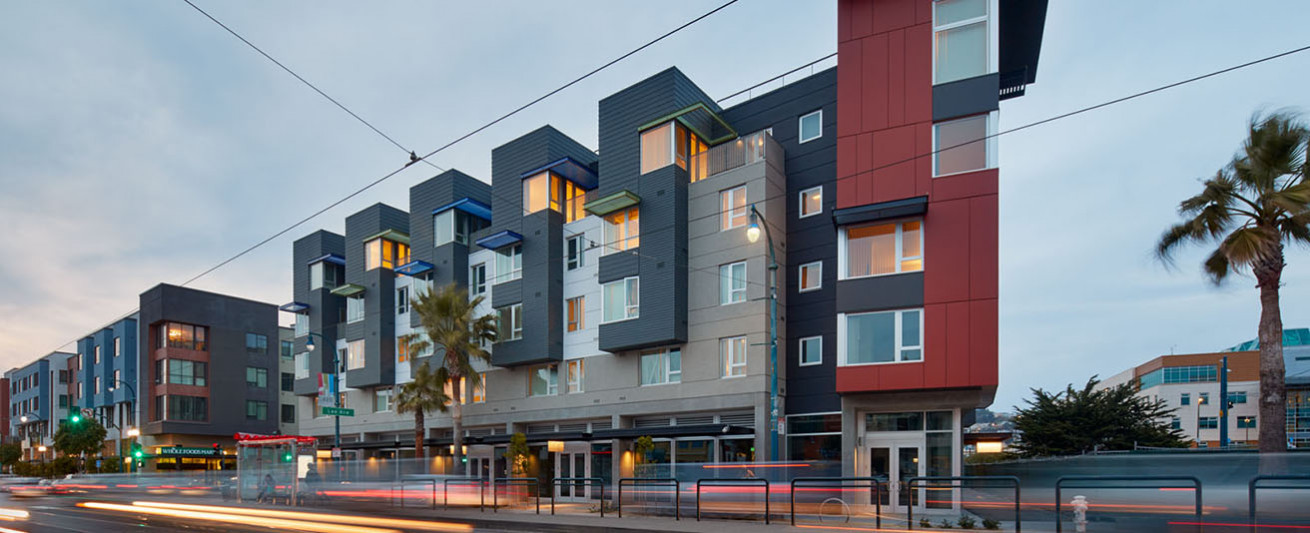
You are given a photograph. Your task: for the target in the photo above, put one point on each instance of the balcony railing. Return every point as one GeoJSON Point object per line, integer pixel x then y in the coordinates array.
{"type": "Point", "coordinates": [727, 156]}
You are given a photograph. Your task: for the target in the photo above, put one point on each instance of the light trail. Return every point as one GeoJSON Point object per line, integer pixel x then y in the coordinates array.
{"type": "Point", "coordinates": [1221, 524]}
{"type": "Point", "coordinates": [227, 518]}
{"type": "Point", "coordinates": [11, 515]}
{"type": "Point", "coordinates": [319, 517]}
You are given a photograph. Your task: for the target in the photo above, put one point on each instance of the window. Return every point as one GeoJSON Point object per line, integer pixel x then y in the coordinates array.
{"type": "Point", "coordinates": [511, 322]}
{"type": "Point", "coordinates": [453, 225]}
{"type": "Point", "coordinates": [385, 253]}
{"type": "Point", "coordinates": [324, 275]}
{"type": "Point", "coordinates": [118, 380]}
{"type": "Point", "coordinates": [402, 349]}
{"type": "Point", "coordinates": [811, 202]}
{"type": "Point", "coordinates": [118, 346]}
{"type": "Point", "coordinates": [1204, 399]}
{"type": "Point", "coordinates": [960, 43]}
{"type": "Point", "coordinates": [1185, 399]}
{"type": "Point", "coordinates": [302, 325]}
{"type": "Point", "coordinates": [733, 212]}
{"type": "Point", "coordinates": [288, 382]}
{"type": "Point", "coordinates": [883, 337]}
{"type": "Point", "coordinates": [1208, 422]}
{"type": "Point", "coordinates": [288, 414]}
{"type": "Point", "coordinates": [621, 300]}
{"type": "Point", "coordinates": [811, 351]}
{"type": "Point", "coordinates": [178, 335]}
{"type": "Point", "coordinates": [576, 252]}
{"type": "Point", "coordinates": [1246, 422]}
{"type": "Point", "coordinates": [1180, 374]}
{"type": "Point", "coordinates": [577, 309]}
{"type": "Point", "coordinates": [877, 249]}
{"type": "Point", "coordinates": [658, 368]}
{"type": "Point", "coordinates": [536, 192]}
{"type": "Point", "coordinates": [811, 277]}
{"type": "Point", "coordinates": [732, 283]}
{"type": "Point", "coordinates": [479, 392]}
{"type": "Point", "coordinates": [183, 372]}
{"type": "Point", "coordinates": [97, 355]}
{"type": "Point", "coordinates": [1176, 423]}
{"type": "Point", "coordinates": [287, 348]}
{"type": "Point", "coordinates": [256, 410]}
{"type": "Point", "coordinates": [509, 263]}
{"type": "Point", "coordinates": [960, 146]}
{"type": "Point", "coordinates": [256, 343]}
{"type": "Point", "coordinates": [63, 401]}
{"type": "Point", "coordinates": [657, 148]}
{"type": "Point", "coordinates": [97, 385]}
{"type": "Point", "coordinates": [811, 126]}
{"type": "Point", "coordinates": [355, 355]}
{"type": "Point", "coordinates": [354, 309]}
{"type": "Point", "coordinates": [1236, 397]}
{"type": "Point", "coordinates": [302, 365]}
{"type": "Point", "coordinates": [622, 230]}
{"type": "Point", "coordinates": [402, 300]}
{"type": "Point", "coordinates": [478, 279]}
{"type": "Point", "coordinates": [732, 352]}
{"type": "Point", "coordinates": [187, 408]}
{"type": "Point", "coordinates": [542, 380]}
{"type": "Point", "coordinates": [547, 190]}
{"type": "Point", "coordinates": [256, 377]}
{"type": "Point", "coordinates": [574, 372]}
{"type": "Point", "coordinates": [381, 400]}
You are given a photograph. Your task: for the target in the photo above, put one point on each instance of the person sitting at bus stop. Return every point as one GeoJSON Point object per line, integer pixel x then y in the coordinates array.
{"type": "Point", "coordinates": [267, 489]}
{"type": "Point", "coordinates": [310, 486]}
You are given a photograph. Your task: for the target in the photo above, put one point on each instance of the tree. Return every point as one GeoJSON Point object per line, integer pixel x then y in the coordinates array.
{"type": "Point", "coordinates": [450, 320]}
{"type": "Point", "coordinates": [10, 453]}
{"type": "Point", "coordinates": [517, 454]}
{"type": "Point", "coordinates": [1250, 208]}
{"type": "Point", "coordinates": [1077, 421]}
{"type": "Point", "coordinates": [84, 437]}
{"type": "Point", "coordinates": [424, 393]}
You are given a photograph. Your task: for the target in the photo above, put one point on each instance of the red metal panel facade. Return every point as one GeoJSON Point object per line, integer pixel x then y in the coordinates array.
{"type": "Point", "coordinates": [884, 130]}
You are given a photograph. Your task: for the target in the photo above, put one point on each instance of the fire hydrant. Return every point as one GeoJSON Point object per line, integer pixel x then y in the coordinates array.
{"type": "Point", "coordinates": [1079, 504]}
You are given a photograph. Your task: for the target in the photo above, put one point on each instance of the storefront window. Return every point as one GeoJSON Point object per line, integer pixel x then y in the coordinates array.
{"type": "Point", "coordinates": [737, 450]}
{"type": "Point", "coordinates": [695, 451]}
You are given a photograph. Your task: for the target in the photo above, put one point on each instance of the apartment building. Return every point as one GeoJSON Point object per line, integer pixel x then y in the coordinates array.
{"type": "Point", "coordinates": [633, 290]}
{"type": "Point", "coordinates": [103, 381]}
{"type": "Point", "coordinates": [1190, 384]}
{"type": "Point", "coordinates": [286, 381]}
{"type": "Point", "coordinates": [38, 401]}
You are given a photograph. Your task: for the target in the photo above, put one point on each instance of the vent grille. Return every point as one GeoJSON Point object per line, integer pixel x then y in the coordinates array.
{"type": "Point", "coordinates": [541, 428]}
{"type": "Point", "coordinates": [651, 422]}
{"type": "Point", "coordinates": [740, 419]}
{"type": "Point", "coordinates": [573, 427]}
{"type": "Point", "coordinates": [695, 420]}
{"type": "Point", "coordinates": [480, 432]}
{"type": "Point", "coordinates": [597, 426]}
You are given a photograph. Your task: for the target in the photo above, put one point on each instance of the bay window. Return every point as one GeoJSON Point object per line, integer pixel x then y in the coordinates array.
{"type": "Point", "coordinates": [672, 143]}
{"type": "Point", "coordinates": [880, 337]}
{"type": "Point", "coordinates": [548, 190]}
{"type": "Point", "coordinates": [622, 300]}
{"type": "Point", "coordinates": [960, 40]}
{"type": "Point", "coordinates": [622, 231]}
{"type": "Point", "coordinates": [385, 253]}
{"type": "Point", "coordinates": [881, 248]}
{"type": "Point", "coordinates": [324, 275]}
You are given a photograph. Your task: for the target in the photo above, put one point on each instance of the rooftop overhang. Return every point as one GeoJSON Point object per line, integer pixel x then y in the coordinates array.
{"type": "Point", "coordinates": [614, 202]}
{"type": "Point", "coordinates": [881, 211]}
{"type": "Point", "coordinates": [500, 240]}
{"type": "Point", "coordinates": [1021, 25]}
{"type": "Point", "coordinates": [391, 235]}
{"type": "Point", "coordinates": [328, 258]}
{"type": "Point", "coordinates": [570, 169]}
{"type": "Point", "coordinates": [719, 129]}
{"type": "Point", "coordinates": [414, 268]}
{"type": "Point", "coordinates": [294, 307]}
{"type": "Point", "coordinates": [348, 289]}
{"type": "Point", "coordinates": [467, 205]}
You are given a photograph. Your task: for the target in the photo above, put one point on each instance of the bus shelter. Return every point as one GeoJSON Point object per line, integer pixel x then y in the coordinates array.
{"type": "Point", "coordinates": [268, 466]}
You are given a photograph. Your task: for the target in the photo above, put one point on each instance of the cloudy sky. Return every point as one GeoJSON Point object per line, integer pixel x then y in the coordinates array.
{"type": "Point", "coordinates": [140, 143]}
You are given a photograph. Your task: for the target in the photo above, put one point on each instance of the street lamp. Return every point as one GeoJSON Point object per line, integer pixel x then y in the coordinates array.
{"type": "Point", "coordinates": [753, 235]}
{"type": "Point", "coordinates": [336, 381]}
{"type": "Point", "coordinates": [134, 432]}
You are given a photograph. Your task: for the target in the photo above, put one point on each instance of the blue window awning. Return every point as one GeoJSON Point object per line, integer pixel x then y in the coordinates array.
{"type": "Point", "coordinates": [499, 240]}
{"type": "Point", "coordinates": [414, 268]}
{"type": "Point", "coordinates": [467, 205]}
{"type": "Point", "coordinates": [294, 307]}
{"type": "Point", "coordinates": [330, 258]}
{"type": "Point", "coordinates": [570, 169]}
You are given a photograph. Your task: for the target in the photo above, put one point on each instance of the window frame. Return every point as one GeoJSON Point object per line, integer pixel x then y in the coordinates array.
{"type": "Point", "coordinates": [667, 374]}
{"type": "Point", "coordinates": [515, 322]}
{"type": "Point", "coordinates": [356, 358]}
{"type": "Point", "coordinates": [843, 243]}
{"type": "Point", "coordinates": [898, 329]}
{"type": "Point", "coordinates": [301, 360]}
{"type": "Point", "coordinates": [402, 300]}
{"type": "Point", "coordinates": [728, 368]}
{"type": "Point", "coordinates": [728, 218]}
{"type": "Point", "coordinates": [478, 287]}
{"type": "Point", "coordinates": [990, 60]}
{"type": "Point", "coordinates": [800, 276]}
{"type": "Point", "coordinates": [617, 236]}
{"type": "Point", "coordinates": [511, 257]}
{"type": "Point", "coordinates": [260, 374]}
{"type": "Point", "coordinates": [988, 141]}
{"type": "Point", "coordinates": [357, 315]}
{"type": "Point", "coordinates": [389, 395]}
{"type": "Point", "coordinates": [575, 256]}
{"type": "Point", "coordinates": [575, 314]}
{"type": "Point", "coordinates": [631, 311]}
{"type": "Point", "coordinates": [672, 144]}
{"type": "Point", "coordinates": [800, 351]}
{"type": "Point", "coordinates": [800, 126]}
{"type": "Point", "coordinates": [552, 384]}
{"type": "Point", "coordinates": [573, 381]}
{"type": "Point", "coordinates": [728, 294]}
{"type": "Point", "coordinates": [800, 209]}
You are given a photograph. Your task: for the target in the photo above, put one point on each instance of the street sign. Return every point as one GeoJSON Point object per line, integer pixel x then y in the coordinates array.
{"type": "Point", "coordinates": [336, 453]}
{"type": "Point", "coordinates": [338, 411]}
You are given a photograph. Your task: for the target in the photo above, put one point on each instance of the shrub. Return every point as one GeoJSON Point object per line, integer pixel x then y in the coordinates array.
{"type": "Point", "coordinates": [992, 524]}
{"type": "Point", "coordinates": [924, 522]}
{"type": "Point", "coordinates": [945, 525]}
{"type": "Point", "coordinates": [966, 522]}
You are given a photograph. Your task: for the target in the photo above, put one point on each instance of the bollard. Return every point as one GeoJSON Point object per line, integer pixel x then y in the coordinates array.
{"type": "Point", "coordinates": [1079, 505]}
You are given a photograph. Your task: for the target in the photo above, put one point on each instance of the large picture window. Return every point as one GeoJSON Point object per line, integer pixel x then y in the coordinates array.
{"type": "Point", "coordinates": [622, 230]}
{"type": "Point", "coordinates": [878, 249]}
{"type": "Point", "coordinates": [960, 41]}
{"type": "Point", "coordinates": [509, 264]}
{"type": "Point", "coordinates": [179, 335]}
{"type": "Point", "coordinates": [384, 253]}
{"type": "Point", "coordinates": [187, 408]}
{"type": "Point", "coordinates": [622, 299]}
{"type": "Point", "coordinates": [184, 372]}
{"type": "Point", "coordinates": [549, 191]}
{"type": "Point", "coordinates": [664, 366]}
{"type": "Point", "coordinates": [324, 275]}
{"type": "Point", "coordinates": [453, 225]}
{"type": "Point", "coordinates": [882, 337]}
{"type": "Point", "coordinates": [657, 148]}
{"type": "Point", "coordinates": [960, 145]}
{"type": "Point", "coordinates": [543, 380]}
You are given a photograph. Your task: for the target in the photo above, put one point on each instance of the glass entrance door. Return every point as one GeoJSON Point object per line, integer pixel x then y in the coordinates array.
{"type": "Point", "coordinates": [572, 465]}
{"type": "Point", "coordinates": [896, 462]}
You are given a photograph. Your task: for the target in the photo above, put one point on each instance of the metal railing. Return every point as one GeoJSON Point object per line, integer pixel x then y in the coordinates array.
{"type": "Point", "coordinates": [575, 482]}
{"type": "Point", "coordinates": [1255, 485]}
{"type": "Point", "coordinates": [402, 483]}
{"type": "Point", "coordinates": [653, 482]}
{"type": "Point", "coordinates": [727, 156]}
{"type": "Point", "coordinates": [1007, 480]}
{"type": "Point", "coordinates": [513, 482]}
{"type": "Point", "coordinates": [1161, 482]}
{"type": "Point", "coordinates": [744, 482]}
{"type": "Point", "coordinates": [841, 482]}
{"type": "Point", "coordinates": [469, 481]}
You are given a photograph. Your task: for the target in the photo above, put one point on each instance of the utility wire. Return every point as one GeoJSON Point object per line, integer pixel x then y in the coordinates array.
{"type": "Point", "coordinates": [306, 82]}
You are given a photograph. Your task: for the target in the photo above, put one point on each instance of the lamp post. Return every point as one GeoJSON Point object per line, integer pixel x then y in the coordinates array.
{"type": "Point", "coordinates": [753, 235]}
{"type": "Point", "coordinates": [23, 421]}
{"type": "Point", "coordinates": [113, 384]}
{"type": "Point", "coordinates": [1223, 403]}
{"type": "Point", "coordinates": [1200, 400]}
{"type": "Point", "coordinates": [336, 382]}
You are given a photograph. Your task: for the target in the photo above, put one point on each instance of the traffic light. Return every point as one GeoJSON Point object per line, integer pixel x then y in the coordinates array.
{"type": "Point", "coordinates": [137, 452]}
{"type": "Point", "coordinates": [76, 418]}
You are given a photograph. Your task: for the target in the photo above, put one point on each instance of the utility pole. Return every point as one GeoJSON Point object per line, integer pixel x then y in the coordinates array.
{"type": "Point", "coordinates": [1224, 405]}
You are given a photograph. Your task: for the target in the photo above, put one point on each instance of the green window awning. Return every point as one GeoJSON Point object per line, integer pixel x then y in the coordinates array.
{"type": "Point", "coordinates": [348, 289]}
{"type": "Point", "coordinates": [391, 235]}
{"type": "Point", "coordinates": [614, 202]}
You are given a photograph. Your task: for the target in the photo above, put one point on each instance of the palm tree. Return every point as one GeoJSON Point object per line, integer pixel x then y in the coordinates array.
{"type": "Point", "coordinates": [1250, 208]}
{"type": "Point", "coordinates": [449, 318]}
{"type": "Point", "coordinates": [425, 393]}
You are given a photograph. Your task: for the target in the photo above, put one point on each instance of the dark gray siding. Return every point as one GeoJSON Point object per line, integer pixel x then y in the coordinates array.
{"type": "Point", "coordinates": [325, 309]}
{"type": "Point", "coordinates": [880, 292]}
{"type": "Point", "coordinates": [810, 389]}
{"type": "Point", "coordinates": [449, 261]}
{"type": "Point", "coordinates": [966, 97]}
{"type": "Point", "coordinates": [378, 329]}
